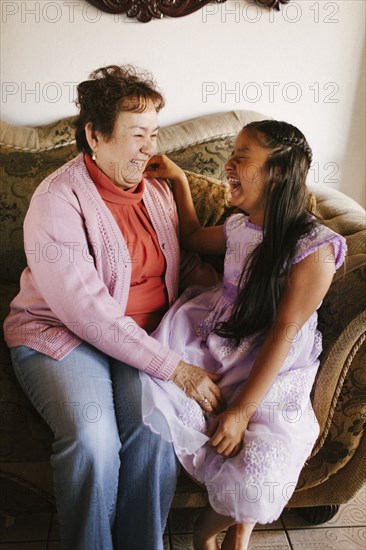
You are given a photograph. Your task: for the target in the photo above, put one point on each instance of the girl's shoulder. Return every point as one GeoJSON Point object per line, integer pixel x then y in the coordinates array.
{"type": "Point", "coordinates": [320, 236]}
{"type": "Point", "coordinates": [240, 220]}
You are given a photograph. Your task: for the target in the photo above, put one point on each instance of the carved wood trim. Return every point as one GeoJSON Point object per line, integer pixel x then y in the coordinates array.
{"type": "Point", "coordinates": [145, 10]}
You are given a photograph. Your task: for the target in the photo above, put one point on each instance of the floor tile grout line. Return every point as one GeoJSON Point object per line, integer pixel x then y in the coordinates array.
{"type": "Point", "coordinates": [50, 525]}
{"type": "Point", "coordinates": [320, 528]}
{"type": "Point", "coordinates": [255, 531]}
{"type": "Point", "coordinates": [286, 533]}
{"type": "Point", "coordinates": [288, 540]}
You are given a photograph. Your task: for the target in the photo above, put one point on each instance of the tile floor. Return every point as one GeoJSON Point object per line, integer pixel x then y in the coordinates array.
{"type": "Point", "coordinates": [346, 531]}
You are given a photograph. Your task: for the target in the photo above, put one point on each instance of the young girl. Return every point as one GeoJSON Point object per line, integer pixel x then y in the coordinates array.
{"type": "Point", "coordinates": [257, 330]}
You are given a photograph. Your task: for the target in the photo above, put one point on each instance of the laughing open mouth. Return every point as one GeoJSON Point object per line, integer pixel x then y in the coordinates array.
{"type": "Point", "coordinates": [234, 183]}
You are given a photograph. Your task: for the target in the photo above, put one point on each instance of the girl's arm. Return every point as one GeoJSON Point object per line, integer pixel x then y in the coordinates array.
{"type": "Point", "coordinates": [308, 283]}
{"type": "Point", "coordinates": [194, 238]}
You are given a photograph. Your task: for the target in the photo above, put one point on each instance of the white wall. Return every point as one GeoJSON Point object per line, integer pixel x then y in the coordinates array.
{"type": "Point", "coordinates": [304, 65]}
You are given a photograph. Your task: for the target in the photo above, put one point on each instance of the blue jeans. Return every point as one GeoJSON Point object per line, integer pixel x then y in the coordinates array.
{"type": "Point", "coordinates": [114, 479]}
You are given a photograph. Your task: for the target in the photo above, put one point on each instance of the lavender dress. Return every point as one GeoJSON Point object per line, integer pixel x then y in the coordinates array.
{"type": "Point", "coordinates": [255, 485]}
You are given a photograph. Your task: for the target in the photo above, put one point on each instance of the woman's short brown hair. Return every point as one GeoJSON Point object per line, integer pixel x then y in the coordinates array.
{"type": "Point", "coordinates": [109, 91]}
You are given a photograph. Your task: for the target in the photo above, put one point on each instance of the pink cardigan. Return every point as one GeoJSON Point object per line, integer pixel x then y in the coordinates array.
{"type": "Point", "coordinates": [76, 285]}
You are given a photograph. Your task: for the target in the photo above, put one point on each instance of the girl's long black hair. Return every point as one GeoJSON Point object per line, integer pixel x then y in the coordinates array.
{"type": "Point", "coordinates": [286, 219]}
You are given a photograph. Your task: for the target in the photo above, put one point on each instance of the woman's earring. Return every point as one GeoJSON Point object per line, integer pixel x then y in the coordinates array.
{"type": "Point", "coordinates": [94, 157]}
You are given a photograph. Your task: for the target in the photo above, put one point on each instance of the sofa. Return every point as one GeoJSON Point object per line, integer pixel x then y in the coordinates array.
{"type": "Point", "coordinates": [336, 468]}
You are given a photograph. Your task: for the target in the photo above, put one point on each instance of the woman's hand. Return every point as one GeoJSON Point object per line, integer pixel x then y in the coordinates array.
{"type": "Point", "coordinates": [160, 166]}
{"type": "Point", "coordinates": [199, 385]}
{"type": "Point", "coordinates": [227, 432]}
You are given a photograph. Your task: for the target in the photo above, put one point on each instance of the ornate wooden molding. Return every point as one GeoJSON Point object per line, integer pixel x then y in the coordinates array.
{"type": "Point", "coordinates": [145, 10]}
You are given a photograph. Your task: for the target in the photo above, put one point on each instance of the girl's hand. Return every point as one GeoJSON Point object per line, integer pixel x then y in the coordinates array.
{"type": "Point", "coordinates": [193, 237]}
{"type": "Point", "coordinates": [227, 432]}
{"type": "Point", "coordinates": [160, 166]}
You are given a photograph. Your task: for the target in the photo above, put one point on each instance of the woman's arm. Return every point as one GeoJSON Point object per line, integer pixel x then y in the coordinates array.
{"type": "Point", "coordinates": [308, 283]}
{"type": "Point", "coordinates": [79, 299]}
{"type": "Point", "coordinates": [206, 240]}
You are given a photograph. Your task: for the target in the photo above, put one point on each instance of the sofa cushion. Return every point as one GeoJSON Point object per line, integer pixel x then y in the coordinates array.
{"type": "Point", "coordinates": [199, 146]}
{"type": "Point", "coordinates": [20, 422]}
{"type": "Point", "coordinates": [22, 172]}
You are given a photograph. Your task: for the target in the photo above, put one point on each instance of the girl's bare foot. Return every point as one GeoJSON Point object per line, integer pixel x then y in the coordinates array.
{"type": "Point", "coordinates": [237, 536]}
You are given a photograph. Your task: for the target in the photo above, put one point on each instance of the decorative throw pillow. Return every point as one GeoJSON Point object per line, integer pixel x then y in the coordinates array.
{"type": "Point", "coordinates": [22, 171]}
{"type": "Point", "coordinates": [211, 198]}
{"type": "Point", "coordinates": [207, 158]}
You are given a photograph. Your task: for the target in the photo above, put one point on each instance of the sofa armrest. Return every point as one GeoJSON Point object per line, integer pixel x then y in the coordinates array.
{"type": "Point", "coordinates": [339, 392]}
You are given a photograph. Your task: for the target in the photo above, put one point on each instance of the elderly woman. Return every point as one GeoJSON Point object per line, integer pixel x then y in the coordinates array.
{"type": "Point", "coordinates": [104, 266]}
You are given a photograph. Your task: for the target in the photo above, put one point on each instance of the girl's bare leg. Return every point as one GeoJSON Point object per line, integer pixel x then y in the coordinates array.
{"type": "Point", "coordinates": [237, 537]}
{"type": "Point", "coordinates": [207, 526]}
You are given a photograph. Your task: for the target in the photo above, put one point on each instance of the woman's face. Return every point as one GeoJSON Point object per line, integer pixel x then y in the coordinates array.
{"type": "Point", "coordinates": [124, 156]}
{"type": "Point", "coordinates": [246, 175]}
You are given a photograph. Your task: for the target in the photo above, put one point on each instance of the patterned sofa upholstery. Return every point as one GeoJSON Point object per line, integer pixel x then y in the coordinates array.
{"type": "Point", "coordinates": [336, 468]}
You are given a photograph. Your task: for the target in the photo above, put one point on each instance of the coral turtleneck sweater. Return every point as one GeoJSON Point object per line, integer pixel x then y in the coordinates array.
{"type": "Point", "coordinates": [148, 299]}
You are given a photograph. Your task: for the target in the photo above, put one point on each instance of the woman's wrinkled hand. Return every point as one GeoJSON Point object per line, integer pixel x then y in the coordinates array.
{"type": "Point", "coordinates": [199, 385]}
{"type": "Point", "coordinates": [160, 166]}
{"type": "Point", "coordinates": [227, 432]}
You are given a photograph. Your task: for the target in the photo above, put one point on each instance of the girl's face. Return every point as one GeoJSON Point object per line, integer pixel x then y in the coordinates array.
{"type": "Point", "coordinates": [246, 175]}
{"type": "Point", "coordinates": [124, 156]}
